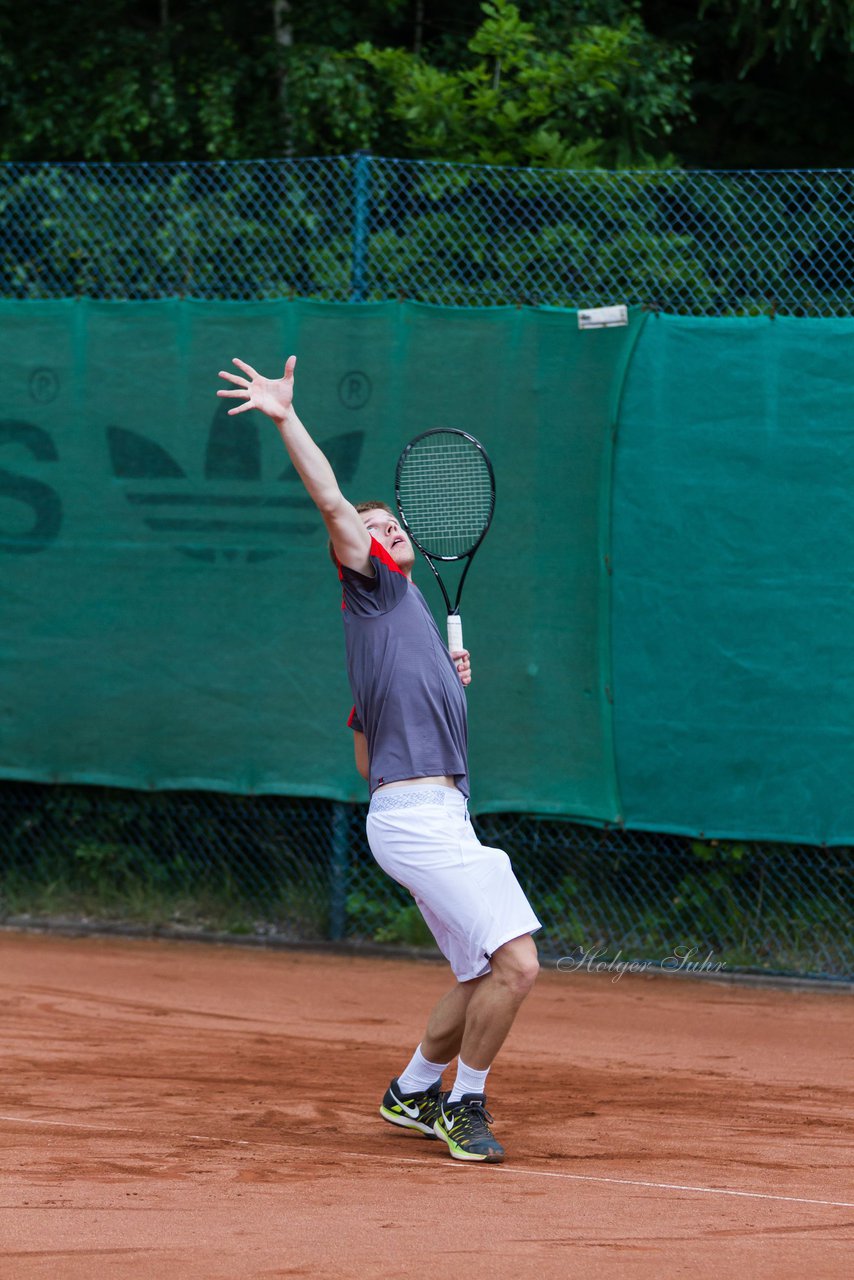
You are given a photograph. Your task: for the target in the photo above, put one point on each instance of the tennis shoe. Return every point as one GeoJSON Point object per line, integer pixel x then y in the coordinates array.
{"type": "Point", "coordinates": [412, 1110]}
{"type": "Point", "coordinates": [464, 1125]}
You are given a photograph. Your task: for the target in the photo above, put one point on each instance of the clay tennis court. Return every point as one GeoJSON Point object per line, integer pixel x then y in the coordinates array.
{"type": "Point", "coordinates": [185, 1110]}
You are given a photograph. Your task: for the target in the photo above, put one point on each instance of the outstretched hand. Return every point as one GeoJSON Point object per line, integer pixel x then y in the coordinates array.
{"type": "Point", "coordinates": [273, 396]}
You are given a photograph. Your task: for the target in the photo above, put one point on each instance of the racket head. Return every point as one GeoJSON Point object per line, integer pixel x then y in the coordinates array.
{"type": "Point", "coordinates": [444, 488]}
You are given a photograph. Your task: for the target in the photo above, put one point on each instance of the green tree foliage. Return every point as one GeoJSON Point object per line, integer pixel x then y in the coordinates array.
{"type": "Point", "coordinates": [760, 27]}
{"type": "Point", "coordinates": [124, 80]}
{"type": "Point", "coordinates": [773, 81]}
{"type": "Point", "coordinates": [723, 83]}
{"type": "Point", "coordinates": [111, 80]}
{"type": "Point", "coordinates": [607, 97]}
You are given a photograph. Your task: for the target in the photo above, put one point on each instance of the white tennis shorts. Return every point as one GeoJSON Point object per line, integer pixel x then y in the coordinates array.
{"type": "Point", "coordinates": [467, 893]}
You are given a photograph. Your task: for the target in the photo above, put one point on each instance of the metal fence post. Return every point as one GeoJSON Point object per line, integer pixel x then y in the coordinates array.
{"type": "Point", "coordinates": [339, 871]}
{"type": "Point", "coordinates": [361, 213]}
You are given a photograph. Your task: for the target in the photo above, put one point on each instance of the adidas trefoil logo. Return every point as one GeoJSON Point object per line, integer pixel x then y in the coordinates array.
{"type": "Point", "coordinates": [232, 512]}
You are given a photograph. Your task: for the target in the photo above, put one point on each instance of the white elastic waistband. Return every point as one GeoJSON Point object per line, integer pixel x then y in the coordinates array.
{"type": "Point", "coordinates": [412, 797]}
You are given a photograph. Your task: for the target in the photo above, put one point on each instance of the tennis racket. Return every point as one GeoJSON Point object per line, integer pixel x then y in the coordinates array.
{"type": "Point", "coordinates": [445, 493]}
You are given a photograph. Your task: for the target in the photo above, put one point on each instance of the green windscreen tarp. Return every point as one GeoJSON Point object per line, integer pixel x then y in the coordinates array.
{"type": "Point", "coordinates": [733, 586]}
{"type": "Point", "coordinates": [169, 614]}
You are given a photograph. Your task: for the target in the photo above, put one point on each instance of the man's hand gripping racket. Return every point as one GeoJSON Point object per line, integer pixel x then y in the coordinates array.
{"type": "Point", "coordinates": [445, 492]}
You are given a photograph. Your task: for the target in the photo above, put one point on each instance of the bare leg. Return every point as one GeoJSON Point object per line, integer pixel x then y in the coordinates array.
{"type": "Point", "coordinates": [447, 1022]}
{"type": "Point", "coordinates": [496, 1001]}
{"type": "Point", "coordinates": [473, 1018]}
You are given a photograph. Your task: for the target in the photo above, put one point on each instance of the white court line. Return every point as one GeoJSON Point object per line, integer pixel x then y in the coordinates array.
{"type": "Point", "coordinates": [623, 1182]}
{"type": "Point", "coordinates": [677, 1186]}
{"type": "Point", "coordinates": [502, 1169]}
{"type": "Point", "coordinates": [114, 1128]}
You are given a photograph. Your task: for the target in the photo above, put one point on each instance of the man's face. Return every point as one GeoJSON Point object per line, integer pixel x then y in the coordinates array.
{"type": "Point", "coordinates": [383, 526]}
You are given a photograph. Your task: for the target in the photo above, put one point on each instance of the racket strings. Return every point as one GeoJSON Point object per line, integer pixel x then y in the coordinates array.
{"type": "Point", "coordinates": [446, 494]}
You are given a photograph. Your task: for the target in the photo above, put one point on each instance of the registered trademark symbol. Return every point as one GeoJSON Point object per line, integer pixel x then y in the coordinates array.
{"type": "Point", "coordinates": [44, 385]}
{"type": "Point", "coordinates": [354, 390]}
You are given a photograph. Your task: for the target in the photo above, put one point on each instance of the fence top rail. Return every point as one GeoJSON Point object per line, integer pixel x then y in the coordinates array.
{"type": "Point", "coordinates": [416, 162]}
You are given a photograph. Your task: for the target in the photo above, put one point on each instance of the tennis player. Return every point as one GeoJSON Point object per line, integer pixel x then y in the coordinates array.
{"type": "Point", "coordinates": [409, 727]}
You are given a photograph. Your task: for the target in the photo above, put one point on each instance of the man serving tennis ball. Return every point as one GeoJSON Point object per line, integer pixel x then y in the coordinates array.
{"type": "Point", "coordinates": [409, 723]}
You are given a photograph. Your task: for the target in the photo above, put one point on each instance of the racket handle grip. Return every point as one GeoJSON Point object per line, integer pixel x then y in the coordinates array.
{"type": "Point", "coordinates": [455, 632]}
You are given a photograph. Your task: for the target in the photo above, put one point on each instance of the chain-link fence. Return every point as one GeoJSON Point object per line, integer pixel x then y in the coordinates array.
{"type": "Point", "coordinates": [361, 228]}
{"type": "Point", "coordinates": [287, 869]}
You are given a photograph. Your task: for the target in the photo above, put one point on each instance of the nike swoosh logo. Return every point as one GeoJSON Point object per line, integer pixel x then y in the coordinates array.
{"type": "Point", "coordinates": [412, 1112]}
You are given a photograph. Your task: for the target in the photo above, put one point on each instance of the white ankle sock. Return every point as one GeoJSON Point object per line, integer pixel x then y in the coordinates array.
{"type": "Point", "coordinates": [468, 1081]}
{"type": "Point", "coordinates": [420, 1073]}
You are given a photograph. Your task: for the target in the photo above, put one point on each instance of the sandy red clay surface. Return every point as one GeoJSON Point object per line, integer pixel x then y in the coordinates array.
{"type": "Point", "coordinates": [183, 1111]}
